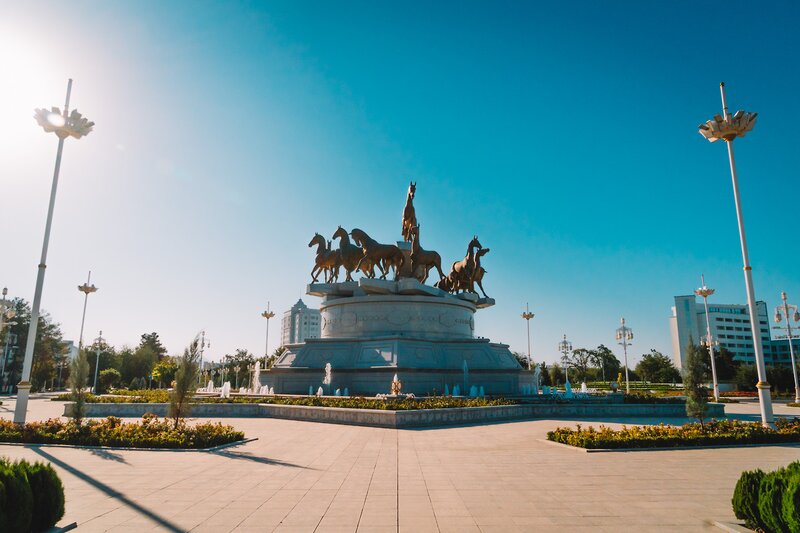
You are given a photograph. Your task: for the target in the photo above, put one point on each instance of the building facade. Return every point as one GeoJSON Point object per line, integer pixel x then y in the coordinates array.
{"type": "Point", "coordinates": [730, 325]}
{"type": "Point", "coordinates": [300, 323]}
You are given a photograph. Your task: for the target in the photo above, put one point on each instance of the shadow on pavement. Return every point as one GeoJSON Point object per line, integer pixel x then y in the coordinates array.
{"type": "Point", "coordinates": [256, 459]}
{"type": "Point", "coordinates": [166, 524]}
{"type": "Point", "coordinates": [108, 455]}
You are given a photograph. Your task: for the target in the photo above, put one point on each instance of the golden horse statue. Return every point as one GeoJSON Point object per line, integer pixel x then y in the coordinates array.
{"type": "Point", "coordinates": [384, 256]}
{"type": "Point", "coordinates": [409, 215]}
{"type": "Point", "coordinates": [423, 260]}
{"type": "Point", "coordinates": [479, 270]}
{"type": "Point", "coordinates": [462, 273]}
{"type": "Point", "coordinates": [327, 261]}
{"type": "Point", "coordinates": [351, 256]}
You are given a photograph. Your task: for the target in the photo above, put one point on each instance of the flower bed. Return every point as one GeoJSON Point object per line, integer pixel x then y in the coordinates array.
{"type": "Point", "coordinates": [771, 501]}
{"type": "Point", "coordinates": [713, 433]}
{"type": "Point", "coordinates": [648, 397]}
{"type": "Point", "coordinates": [151, 432]}
{"type": "Point", "coordinates": [352, 402]}
{"type": "Point", "coordinates": [31, 496]}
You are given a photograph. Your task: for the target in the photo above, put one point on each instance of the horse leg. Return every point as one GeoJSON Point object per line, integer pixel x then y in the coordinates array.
{"type": "Point", "coordinates": [313, 277]}
{"type": "Point", "coordinates": [481, 287]}
{"type": "Point", "coordinates": [438, 265]}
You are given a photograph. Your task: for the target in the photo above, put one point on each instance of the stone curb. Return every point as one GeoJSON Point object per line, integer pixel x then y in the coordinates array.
{"type": "Point", "coordinates": [669, 448]}
{"type": "Point", "coordinates": [120, 448]}
{"type": "Point", "coordinates": [730, 527]}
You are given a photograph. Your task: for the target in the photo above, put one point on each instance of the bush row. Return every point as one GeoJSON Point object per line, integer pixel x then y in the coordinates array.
{"type": "Point", "coordinates": [650, 398]}
{"type": "Point", "coordinates": [664, 436]}
{"type": "Point", "coordinates": [31, 497]}
{"type": "Point", "coordinates": [151, 432]}
{"type": "Point", "coordinates": [771, 501]}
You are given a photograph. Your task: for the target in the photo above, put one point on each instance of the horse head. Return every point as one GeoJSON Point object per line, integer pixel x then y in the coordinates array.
{"type": "Point", "coordinates": [340, 233]}
{"type": "Point", "coordinates": [317, 239]}
{"type": "Point", "coordinates": [359, 236]}
{"type": "Point", "coordinates": [475, 243]}
{"type": "Point", "coordinates": [412, 189]}
{"type": "Point", "coordinates": [482, 252]}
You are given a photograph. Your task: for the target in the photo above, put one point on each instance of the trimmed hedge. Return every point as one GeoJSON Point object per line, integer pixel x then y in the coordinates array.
{"type": "Point", "coordinates": [713, 433]}
{"type": "Point", "coordinates": [771, 501]}
{"type": "Point", "coordinates": [149, 433]}
{"type": "Point", "coordinates": [31, 497]}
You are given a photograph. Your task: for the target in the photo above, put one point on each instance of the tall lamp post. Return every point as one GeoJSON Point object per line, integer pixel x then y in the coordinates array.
{"type": "Point", "coordinates": [726, 128]}
{"type": "Point", "coordinates": [203, 345]}
{"type": "Point", "coordinates": [86, 289]}
{"type": "Point", "coordinates": [267, 314]}
{"type": "Point", "coordinates": [527, 315]}
{"type": "Point", "coordinates": [7, 313]}
{"type": "Point", "coordinates": [98, 341]}
{"type": "Point", "coordinates": [63, 124]}
{"type": "Point", "coordinates": [790, 312]}
{"type": "Point", "coordinates": [564, 346]}
{"type": "Point", "coordinates": [704, 292]}
{"type": "Point", "coordinates": [624, 335]}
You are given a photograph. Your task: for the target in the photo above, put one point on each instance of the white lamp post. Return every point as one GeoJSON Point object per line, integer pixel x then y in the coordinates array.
{"type": "Point", "coordinates": [727, 128]}
{"type": "Point", "coordinates": [267, 314]}
{"type": "Point", "coordinates": [624, 335]}
{"type": "Point", "coordinates": [86, 289]}
{"type": "Point", "coordinates": [98, 341]}
{"type": "Point", "coordinates": [63, 124]}
{"type": "Point", "coordinates": [564, 346]}
{"type": "Point", "coordinates": [790, 312]}
{"type": "Point", "coordinates": [705, 292]}
{"type": "Point", "coordinates": [527, 315]}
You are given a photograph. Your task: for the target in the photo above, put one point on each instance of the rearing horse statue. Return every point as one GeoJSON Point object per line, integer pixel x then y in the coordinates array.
{"type": "Point", "coordinates": [409, 215]}
{"type": "Point", "coordinates": [327, 261]}
{"type": "Point", "coordinates": [351, 255]}
{"type": "Point", "coordinates": [462, 273]}
{"type": "Point", "coordinates": [425, 259]}
{"type": "Point", "coordinates": [385, 256]}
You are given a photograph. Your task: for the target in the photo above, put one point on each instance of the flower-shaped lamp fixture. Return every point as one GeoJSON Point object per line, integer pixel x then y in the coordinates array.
{"type": "Point", "coordinates": [73, 125]}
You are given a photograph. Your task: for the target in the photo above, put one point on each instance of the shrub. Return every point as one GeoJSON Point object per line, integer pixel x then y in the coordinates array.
{"type": "Point", "coordinates": [48, 496]}
{"type": "Point", "coordinates": [78, 374]}
{"type": "Point", "coordinates": [770, 501]}
{"type": "Point", "coordinates": [108, 378]}
{"type": "Point", "coordinates": [745, 498]}
{"type": "Point", "coordinates": [696, 393]}
{"type": "Point", "coordinates": [791, 503]}
{"type": "Point", "coordinates": [18, 502]}
{"type": "Point", "coordinates": [185, 378]}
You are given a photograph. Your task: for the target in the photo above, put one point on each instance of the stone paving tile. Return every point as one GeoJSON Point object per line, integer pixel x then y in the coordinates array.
{"type": "Point", "coordinates": [301, 476]}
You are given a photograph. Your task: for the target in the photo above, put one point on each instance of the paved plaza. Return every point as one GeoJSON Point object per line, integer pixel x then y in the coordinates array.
{"type": "Point", "coordinates": [304, 477]}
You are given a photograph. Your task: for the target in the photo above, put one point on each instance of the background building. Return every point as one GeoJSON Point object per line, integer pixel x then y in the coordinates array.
{"type": "Point", "coordinates": [730, 325]}
{"type": "Point", "coordinates": [300, 323]}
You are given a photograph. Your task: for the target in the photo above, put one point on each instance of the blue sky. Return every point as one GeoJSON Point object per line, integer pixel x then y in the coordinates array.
{"type": "Point", "coordinates": [562, 134]}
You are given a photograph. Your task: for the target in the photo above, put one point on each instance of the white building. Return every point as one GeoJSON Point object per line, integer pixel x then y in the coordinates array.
{"type": "Point", "coordinates": [300, 323]}
{"type": "Point", "coordinates": [730, 325]}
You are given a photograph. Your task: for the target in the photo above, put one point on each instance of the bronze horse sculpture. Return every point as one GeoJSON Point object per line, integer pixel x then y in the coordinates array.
{"type": "Point", "coordinates": [327, 261]}
{"type": "Point", "coordinates": [384, 256]}
{"type": "Point", "coordinates": [462, 273]}
{"type": "Point", "coordinates": [351, 256]}
{"type": "Point", "coordinates": [423, 260]}
{"type": "Point", "coordinates": [409, 215]}
{"type": "Point", "coordinates": [479, 270]}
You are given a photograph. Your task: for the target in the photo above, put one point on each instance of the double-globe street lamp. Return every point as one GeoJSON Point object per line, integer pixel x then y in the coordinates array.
{"type": "Point", "coordinates": [704, 292]}
{"type": "Point", "coordinates": [63, 124]}
{"type": "Point", "coordinates": [790, 312]}
{"type": "Point", "coordinates": [267, 314]}
{"type": "Point", "coordinates": [527, 315]}
{"type": "Point", "coordinates": [624, 336]}
{"type": "Point", "coordinates": [727, 127]}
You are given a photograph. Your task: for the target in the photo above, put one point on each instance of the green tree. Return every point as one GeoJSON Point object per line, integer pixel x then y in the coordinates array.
{"type": "Point", "coordinates": [579, 360]}
{"type": "Point", "coordinates": [556, 375]}
{"type": "Point", "coordinates": [545, 374]}
{"type": "Point", "coordinates": [47, 350]}
{"type": "Point", "coordinates": [746, 377]}
{"type": "Point", "coordinates": [151, 340]}
{"type": "Point", "coordinates": [241, 359]}
{"type": "Point", "coordinates": [694, 383]}
{"type": "Point", "coordinates": [78, 376]}
{"type": "Point", "coordinates": [137, 363]}
{"type": "Point", "coordinates": [657, 367]}
{"type": "Point", "coordinates": [109, 358]}
{"type": "Point", "coordinates": [724, 362]}
{"type": "Point", "coordinates": [522, 359]}
{"type": "Point", "coordinates": [164, 371]}
{"type": "Point", "coordinates": [606, 362]}
{"type": "Point", "coordinates": [108, 378]}
{"type": "Point", "coordinates": [185, 382]}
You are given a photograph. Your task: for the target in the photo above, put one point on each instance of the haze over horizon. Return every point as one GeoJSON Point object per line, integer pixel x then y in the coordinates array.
{"type": "Point", "coordinates": [564, 136]}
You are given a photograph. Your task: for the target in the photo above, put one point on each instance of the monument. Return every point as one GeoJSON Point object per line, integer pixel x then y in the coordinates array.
{"type": "Point", "coordinates": [390, 325]}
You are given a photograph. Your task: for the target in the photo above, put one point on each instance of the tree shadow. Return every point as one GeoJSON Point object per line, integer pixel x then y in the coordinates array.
{"type": "Point", "coordinates": [256, 459]}
{"type": "Point", "coordinates": [108, 455]}
{"type": "Point", "coordinates": [99, 485]}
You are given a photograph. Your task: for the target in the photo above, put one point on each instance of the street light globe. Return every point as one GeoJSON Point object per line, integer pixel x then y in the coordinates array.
{"type": "Point", "coordinates": [53, 121]}
{"type": "Point", "coordinates": [721, 128]}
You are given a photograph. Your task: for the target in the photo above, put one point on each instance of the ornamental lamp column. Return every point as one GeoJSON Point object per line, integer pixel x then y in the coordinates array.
{"type": "Point", "coordinates": [624, 335]}
{"type": "Point", "coordinates": [63, 124]}
{"type": "Point", "coordinates": [728, 127]}
{"type": "Point", "coordinates": [704, 292]}
{"type": "Point", "coordinates": [86, 289]}
{"type": "Point", "coordinates": [267, 314]}
{"type": "Point", "coordinates": [564, 346]}
{"type": "Point", "coordinates": [790, 312]}
{"type": "Point", "coordinates": [527, 315]}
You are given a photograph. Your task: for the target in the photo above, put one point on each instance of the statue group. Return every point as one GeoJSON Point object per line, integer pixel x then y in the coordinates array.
{"type": "Point", "coordinates": [367, 254]}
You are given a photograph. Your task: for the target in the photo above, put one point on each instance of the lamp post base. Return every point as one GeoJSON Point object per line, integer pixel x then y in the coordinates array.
{"type": "Point", "coordinates": [21, 409]}
{"type": "Point", "coordinates": [765, 401]}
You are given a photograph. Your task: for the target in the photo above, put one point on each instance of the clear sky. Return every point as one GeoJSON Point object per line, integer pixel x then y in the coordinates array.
{"type": "Point", "coordinates": [563, 134]}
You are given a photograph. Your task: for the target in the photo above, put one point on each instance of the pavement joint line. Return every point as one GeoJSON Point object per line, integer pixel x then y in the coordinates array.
{"type": "Point", "coordinates": [673, 448]}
